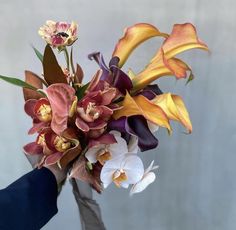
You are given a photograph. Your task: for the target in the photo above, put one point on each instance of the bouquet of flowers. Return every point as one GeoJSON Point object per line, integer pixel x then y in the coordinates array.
{"type": "Point", "coordinates": [97, 128]}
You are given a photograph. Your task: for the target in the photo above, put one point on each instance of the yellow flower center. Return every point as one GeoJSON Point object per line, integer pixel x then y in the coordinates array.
{"type": "Point", "coordinates": [41, 139]}
{"type": "Point", "coordinates": [118, 177]}
{"type": "Point", "coordinates": [61, 144]}
{"type": "Point", "coordinates": [45, 113]}
{"type": "Point", "coordinates": [103, 156]}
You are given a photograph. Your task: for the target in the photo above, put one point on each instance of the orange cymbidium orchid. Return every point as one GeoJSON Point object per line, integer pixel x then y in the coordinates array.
{"type": "Point", "coordinates": [182, 38]}
{"type": "Point", "coordinates": [160, 110]}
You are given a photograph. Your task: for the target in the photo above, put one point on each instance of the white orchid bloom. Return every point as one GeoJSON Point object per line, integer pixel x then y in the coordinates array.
{"type": "Point", "coordinates": [123, 171]}
{"type": "Point", "coordinates": [147, 178]}
{"type": "Point", "coordinates": [153, 127]}
{"type": "Point", "coordinates": [103, 153]}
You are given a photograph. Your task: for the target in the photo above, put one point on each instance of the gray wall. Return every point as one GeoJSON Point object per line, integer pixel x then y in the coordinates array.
{"type": "Point", "coordinates": [196, 186]}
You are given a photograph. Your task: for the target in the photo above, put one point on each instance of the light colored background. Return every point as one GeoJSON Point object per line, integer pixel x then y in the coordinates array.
{"type": "Point", "coordinates": [196, 184]}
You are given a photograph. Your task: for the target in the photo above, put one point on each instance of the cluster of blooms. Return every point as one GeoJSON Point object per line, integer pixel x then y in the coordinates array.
{"type": "Point", "coordinates": [98, 128]}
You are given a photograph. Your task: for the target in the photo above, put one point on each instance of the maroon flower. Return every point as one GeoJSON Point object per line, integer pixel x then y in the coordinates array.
{"type": "Point", "coordinates": [94, 109]}
{"type": "Point", "coordinates": [54, 148]}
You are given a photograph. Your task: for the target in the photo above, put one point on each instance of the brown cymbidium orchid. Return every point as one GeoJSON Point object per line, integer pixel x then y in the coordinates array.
{"type": "Point", "coordinates": [54, 149]}
{"type": "Point", "coordinates": [93, 109]}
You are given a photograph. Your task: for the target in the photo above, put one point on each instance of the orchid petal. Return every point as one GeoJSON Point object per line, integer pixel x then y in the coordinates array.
{"type": "Point", "coordinates": [70, 154]}
{"type": "Point", "coordinates": [134, 36]}
{"type": "Point", "coordinates": [152, 127]}
{"type": "Point", "coordinates": [61, 97]}
{"type": "Point", "coordinates": [141, 185]}
{"type": "Point", "coordinates": [91, 154]}
{"type": "Point", "coordinates": [33, 149]}
{"type": "Point", "coordinates": [139, 105]}
{"type": "Point", "coordinates": [53, 158]}
{"type": "Point", "coordinates": [37, 126]}
{"type": "Point", "coordinates": [95, 80]}
{"type": "Point", "coordinates": [133, 167]}
{"type": "Point", "coordinates": [29, 107]}
{"type": "Point", "coordinates": [105, 139]}
{"type": "Point", "coordinates": [133, 144]}
{"type": "Point", "coordinates": [174, 108]}
{"type": "Point", "coordinates": [81, 124]}
{"type": "Point", "coordinates": [119, 148]}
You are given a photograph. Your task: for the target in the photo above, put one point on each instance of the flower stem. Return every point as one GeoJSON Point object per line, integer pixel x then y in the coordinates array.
{"type": "Point", "coordinates": [67, 58]}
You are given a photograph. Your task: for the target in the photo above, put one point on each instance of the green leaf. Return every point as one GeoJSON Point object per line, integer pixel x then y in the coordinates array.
{"type": "Point", "coordinates": [51, 69]}
{"type": "Point", "coordinates": [39, 55]}
{"type": "Point", "coordinates": [17, 82]}
{"type": "Point", "coordinates": [81, 91]}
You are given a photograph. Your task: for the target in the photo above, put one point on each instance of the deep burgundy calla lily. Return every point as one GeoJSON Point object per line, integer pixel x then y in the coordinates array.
{"type": "Point", "coordinates": [136, 126]}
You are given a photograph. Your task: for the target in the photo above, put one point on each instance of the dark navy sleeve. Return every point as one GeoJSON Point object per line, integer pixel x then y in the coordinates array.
{"type": "Point", "coordinates": [30, 202]}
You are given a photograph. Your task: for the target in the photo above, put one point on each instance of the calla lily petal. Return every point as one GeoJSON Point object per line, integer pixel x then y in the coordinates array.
{"type": "Point", "coordinates": [174, 108]}
{"type": "Point", "coordinates": [136, 126]}
{"type": "Point", "coordinates": [139, 105]}
{"type": "Point", "coordinates": [134, 36]}
{"type": "Point", "coordinates": [183, 37]}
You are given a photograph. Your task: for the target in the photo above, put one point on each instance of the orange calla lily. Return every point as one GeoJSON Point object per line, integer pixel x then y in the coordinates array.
{"type": "Point", "coordinates": [140, 105]}
{"type": "Point", "coordinates": [174, 108]}
{"type": "Point", "coordinates": [134, 36]}
{"type": "Point", "coordinates": [182, 38]}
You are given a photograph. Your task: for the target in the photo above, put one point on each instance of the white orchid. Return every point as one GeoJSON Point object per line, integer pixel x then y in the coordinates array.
{"type": "Point", "coordinates": [123, 171]}
{"type": "Point", "coordinates": [147, 178]}
{"type": "Point", "coordinates": [153, 127]}
{"type": "Point", "coordinates": [103, 153]}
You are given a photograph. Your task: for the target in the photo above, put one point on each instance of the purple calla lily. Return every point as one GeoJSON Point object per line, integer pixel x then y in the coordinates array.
{"type": "Point", "coordinates": [112, 74]}
{"type": "Point", "coordinates": [136, 126]}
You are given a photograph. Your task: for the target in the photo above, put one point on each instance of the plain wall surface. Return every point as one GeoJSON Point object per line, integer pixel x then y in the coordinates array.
{"type": "Point", "coordinates": [196, 186]}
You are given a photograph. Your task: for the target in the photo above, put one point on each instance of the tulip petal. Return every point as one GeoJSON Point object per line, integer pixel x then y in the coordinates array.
{"type": "Point", "coordinates": [61, 97]}
{"type": "Point", "coordinates": [139, 105]}
{"type": "Point", "coordinates": [134, 36]}
{"type": "Point", "coordinates": [174, 108]}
